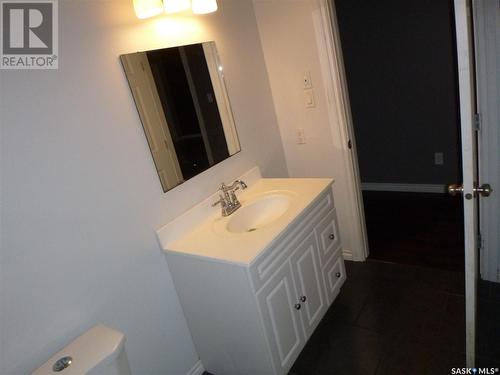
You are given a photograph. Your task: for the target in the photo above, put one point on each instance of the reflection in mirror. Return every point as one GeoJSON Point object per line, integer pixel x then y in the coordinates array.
{"type": "Point", "coordinates": [183, 104]}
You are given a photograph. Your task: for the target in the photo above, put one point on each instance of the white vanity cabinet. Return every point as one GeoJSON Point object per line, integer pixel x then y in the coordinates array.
{"type": "Point", "coordinates": [256, 318]}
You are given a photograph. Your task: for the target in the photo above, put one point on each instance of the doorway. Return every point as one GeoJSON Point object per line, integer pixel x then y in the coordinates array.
{"type": "Point", "coordinates": [401, 70]}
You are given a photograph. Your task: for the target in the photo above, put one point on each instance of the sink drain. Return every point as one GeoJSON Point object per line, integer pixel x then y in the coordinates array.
{"type": "Point", "coordinates": [252, 229]}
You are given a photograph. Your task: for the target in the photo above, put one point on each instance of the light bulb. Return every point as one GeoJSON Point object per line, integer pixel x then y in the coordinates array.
{"type": "Point", "coordinates": [204, 6]}
{"type": "Point", "coordinates": [147, 8]}
{"type": "Point", "coordinates": [174, 6]}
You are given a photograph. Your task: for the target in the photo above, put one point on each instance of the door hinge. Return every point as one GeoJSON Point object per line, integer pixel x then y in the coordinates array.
{"type": "Point", "coordinates": [349, 144]}
{"type": "Point", "coordinates": [477, 121]}
{"type": "Point", "coordinates": [479, 241]}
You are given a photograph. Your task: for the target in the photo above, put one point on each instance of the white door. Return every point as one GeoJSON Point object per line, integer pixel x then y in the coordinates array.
{"type": "Point", "coordinates": [471, 188]}
{"type": "Point", "coordinates": [487, 50]}
{"type": "Point", "coordinates": [153, 119]}
{"type": "Point", "coordinates": [307, 275]}
{"type": "Point", "coordinates": [281, 317]}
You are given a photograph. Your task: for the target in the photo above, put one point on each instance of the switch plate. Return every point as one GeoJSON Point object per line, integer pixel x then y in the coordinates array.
{"type": "Point", "coordinates": [306, 79]}
{"type": "Point", "coordinates": [438, 158]}
{"type": "Point", "coordinates": [301, 136]}
{"type": "Point", "coordinates": [309, 98]}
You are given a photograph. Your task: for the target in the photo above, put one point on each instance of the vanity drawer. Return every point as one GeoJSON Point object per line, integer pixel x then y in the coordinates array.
{"type": "Point", "coordinates": [334, 275]}
{"type": "Point", "coordinates": [268, 262]}
{"type": "Point", "coordinates": [328, 237]}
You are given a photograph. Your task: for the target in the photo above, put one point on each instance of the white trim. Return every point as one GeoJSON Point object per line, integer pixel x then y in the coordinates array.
{"type": "Point", "coordinates": [487, 39]}
{"type": "Point", "coordinates": [219, 85]}
{"type": "Point", "coordinates": [410, 188]}
{"type": "Point", "coordinates": [197, 369]}
{"type": "Point", "coordinates": [466, 94]}
{"type": "Point", "coordinates": [339, 117]}
{"type": "Point", "coordinates": [347, 254]}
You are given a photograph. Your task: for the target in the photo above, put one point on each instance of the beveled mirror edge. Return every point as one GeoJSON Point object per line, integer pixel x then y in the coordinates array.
{"type": "Point", "coordinates": [235, 141]}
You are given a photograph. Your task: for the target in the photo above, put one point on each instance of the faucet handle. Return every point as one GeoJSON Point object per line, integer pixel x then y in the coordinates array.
{"type": "Point", "coordinates": [221, 201]}
{"type": "Point", "coordinates": [234, 199]}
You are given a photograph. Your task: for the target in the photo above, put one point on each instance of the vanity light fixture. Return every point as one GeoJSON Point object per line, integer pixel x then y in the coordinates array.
{"type": "Point", "coordinates": [174, 6]}
{"type": "Point", "coordinates": [204, 6]}
{"type": "Point", "coordinates": [149, 8]}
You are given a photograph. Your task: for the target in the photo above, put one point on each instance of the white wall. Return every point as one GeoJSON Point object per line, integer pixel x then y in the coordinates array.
{"type": "Point", "coordinates": [81, 198]}
{"type": "Point", "coordinates": [290, 42]}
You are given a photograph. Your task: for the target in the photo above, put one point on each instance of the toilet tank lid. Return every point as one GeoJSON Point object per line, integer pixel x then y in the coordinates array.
{"type": "Point", "coordinates": [97, 346]}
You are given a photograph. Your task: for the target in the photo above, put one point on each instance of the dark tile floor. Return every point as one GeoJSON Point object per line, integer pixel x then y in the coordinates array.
{"type": "Point", "coordinates": [415, 228]}
{"type": "Point", "coordinates": [398, 319]}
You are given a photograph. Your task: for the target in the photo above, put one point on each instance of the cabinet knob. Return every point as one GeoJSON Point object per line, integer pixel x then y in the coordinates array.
{"type": "Point", "coordinates": [337, 274]}
{"type": "Point", "coordinates": [303, 299]}
{"type": "Point", "coordinates": [297, 306]}
{"type": "Point", "coordinates": [331, 236]}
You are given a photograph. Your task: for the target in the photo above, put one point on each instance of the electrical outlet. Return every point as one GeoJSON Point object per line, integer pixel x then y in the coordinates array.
{"type": "Point", "coordinates": [438, 158]}
{"type": "Point", "coordinates": [309, 98]}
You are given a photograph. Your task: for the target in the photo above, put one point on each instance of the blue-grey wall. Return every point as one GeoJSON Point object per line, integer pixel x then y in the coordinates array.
{"type": "Point", "coordinates": [401, 71]}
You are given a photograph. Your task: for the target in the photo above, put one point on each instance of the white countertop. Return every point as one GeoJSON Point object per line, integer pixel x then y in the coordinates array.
{"type": "Point", "coordinates": [242, 248]}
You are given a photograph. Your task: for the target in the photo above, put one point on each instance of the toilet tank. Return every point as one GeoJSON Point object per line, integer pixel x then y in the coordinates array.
{"type": "Point", "coordinates": [99, 351]}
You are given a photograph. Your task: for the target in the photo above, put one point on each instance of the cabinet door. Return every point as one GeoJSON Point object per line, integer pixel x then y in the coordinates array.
{"type": "Point", "coordinates": [334, 274]}
{"type": "Point", "coordinates": [281, 317]}
{"type": "Point", "coordinates": [308, 281]}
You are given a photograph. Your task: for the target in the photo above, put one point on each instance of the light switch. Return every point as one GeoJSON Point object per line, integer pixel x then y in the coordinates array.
{"type": "Point", "coordinates": [301, 136]}
{"type": "Point", "coordinates": [309, 98]}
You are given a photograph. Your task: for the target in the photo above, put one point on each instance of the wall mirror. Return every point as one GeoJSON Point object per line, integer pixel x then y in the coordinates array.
{"type": "Point", "coordinates": [182, 101]}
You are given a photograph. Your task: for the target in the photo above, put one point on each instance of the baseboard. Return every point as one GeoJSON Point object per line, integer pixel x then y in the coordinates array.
{"type": "Point", "coordinates": [347, 254]}
{"type": "Point", "coordinates": [410, 188]}
{"type": "Point", "coordinates": [197, 369]}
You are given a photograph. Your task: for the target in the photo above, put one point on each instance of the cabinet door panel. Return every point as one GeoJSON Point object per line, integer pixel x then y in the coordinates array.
{"type": "Point", "coordinates": [328, 235]}
{"type": "Point", "coordinates": [334, 274]}
{"type": "Point", "coordinates": [307, 276]}
{"type": "Point", "coordinates": [281, 320]}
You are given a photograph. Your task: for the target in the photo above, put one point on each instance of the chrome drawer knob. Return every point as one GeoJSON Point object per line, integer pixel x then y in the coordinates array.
{"type": "Point", "coordinates": [62, 363]}
{"type": "Point", "coordinates": [303, 299]}
{"type": "Point", "coordinates": [331, 236]}
{"type": "Point", "coordinates": [337, 274]}
{"type": "Point", "coordinates": [297, 306]}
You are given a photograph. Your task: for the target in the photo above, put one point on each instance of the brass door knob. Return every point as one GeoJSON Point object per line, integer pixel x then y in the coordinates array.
{"type": "Point", "coordinates": [455, 189]}
{"type": "Point", "coordinates": [484, 190]}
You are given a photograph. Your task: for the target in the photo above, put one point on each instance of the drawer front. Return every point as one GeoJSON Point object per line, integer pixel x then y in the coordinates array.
{"type": "Point", "coordinates": [328, 236]}
{"type": "Point", "coordinates": [271, 259]}
{"type": "Point", "coordinates": [334, 276]}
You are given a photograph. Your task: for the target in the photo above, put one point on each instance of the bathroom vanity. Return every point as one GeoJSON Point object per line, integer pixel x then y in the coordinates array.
{"type": "Point", "coordinates": [255, 284]}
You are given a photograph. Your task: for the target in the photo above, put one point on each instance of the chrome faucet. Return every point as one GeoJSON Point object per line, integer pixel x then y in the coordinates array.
{"type": "Point", "coordinates": [228, 200]}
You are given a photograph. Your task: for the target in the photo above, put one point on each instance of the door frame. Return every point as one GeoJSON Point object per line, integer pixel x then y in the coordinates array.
{"type": "Point", "coordinates": [340, 118]}
{"type": "Point", "coordinates": [487, 39]}
{"type": "Point", "coordinates": [468, 102]}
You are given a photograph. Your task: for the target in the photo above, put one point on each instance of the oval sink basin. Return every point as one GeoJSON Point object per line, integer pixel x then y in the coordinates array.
{"type": "Point", "coordinates": [258, 213]}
